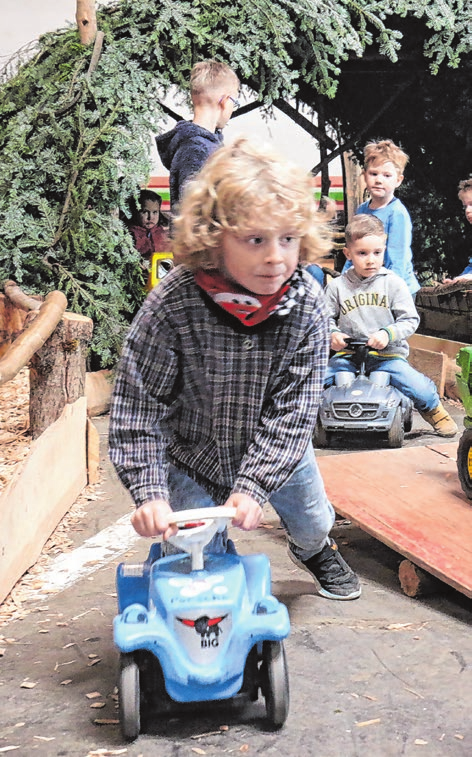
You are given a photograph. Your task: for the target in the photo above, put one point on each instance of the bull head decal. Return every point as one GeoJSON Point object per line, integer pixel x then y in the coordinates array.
{"type": "Point", "coordinates": [204, 626]}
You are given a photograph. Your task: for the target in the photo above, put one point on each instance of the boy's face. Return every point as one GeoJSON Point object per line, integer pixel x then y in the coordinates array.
{"type": "Point", "coordinates": [381, 180]}
{"type": "Point", "coordinates": [149, 214]}
{"type": "Point", "coordinates": [366, 255]}
{"type": "Point", "coordinates": [261, 261]}
{"type": "Point", "coordinates": [466, 200]}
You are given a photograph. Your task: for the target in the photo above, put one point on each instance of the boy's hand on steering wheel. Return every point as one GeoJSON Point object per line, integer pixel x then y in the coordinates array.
{"type": "Point", "coordinates": [338, 340]}
{"type": "Point", "coordinates": [249, 512]}
{"type": "Point", "coordinates": [378, 340]}
{"type": "Point", "coordinates": [152, 519]}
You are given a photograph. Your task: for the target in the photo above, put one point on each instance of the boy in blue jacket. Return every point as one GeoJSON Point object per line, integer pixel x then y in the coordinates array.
{"type": "Point", "coordinates": [214, 89]}
{"type": "Point", "coordinates": [384, 163]}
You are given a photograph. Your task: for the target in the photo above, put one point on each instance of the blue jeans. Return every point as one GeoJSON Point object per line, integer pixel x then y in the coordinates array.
{"type": "Point", "coordinates": [413, 384]}
{"type": "Point", "coordinates": [301, 504]}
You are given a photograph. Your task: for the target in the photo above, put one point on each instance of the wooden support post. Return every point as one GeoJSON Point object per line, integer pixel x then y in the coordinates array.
{"type": "Point", "coordinates": [353, 185]}
{"type": "Point", "coordinates": [57, 371]}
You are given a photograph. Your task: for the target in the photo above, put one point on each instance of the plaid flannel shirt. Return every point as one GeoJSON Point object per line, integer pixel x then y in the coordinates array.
{"type": "Point", "coordinates": [232, 406]}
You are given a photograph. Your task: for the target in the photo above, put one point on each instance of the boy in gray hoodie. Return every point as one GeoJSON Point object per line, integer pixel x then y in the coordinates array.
{"type": "Point", "coordinates": [373, 303]}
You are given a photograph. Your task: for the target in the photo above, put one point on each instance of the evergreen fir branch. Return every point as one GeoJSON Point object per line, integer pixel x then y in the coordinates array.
{"type": "Point", "coordinates": [75, 125]}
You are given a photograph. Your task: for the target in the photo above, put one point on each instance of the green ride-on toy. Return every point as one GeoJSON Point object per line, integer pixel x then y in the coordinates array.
{"type": "Point", "coordinates": [464, 450]}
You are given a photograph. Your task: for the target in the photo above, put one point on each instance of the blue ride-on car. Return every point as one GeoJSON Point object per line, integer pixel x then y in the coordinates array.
{"type": "Point", "coordinates": [199, 627]}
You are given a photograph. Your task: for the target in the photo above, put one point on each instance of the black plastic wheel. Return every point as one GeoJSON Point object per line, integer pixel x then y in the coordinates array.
{"type": "Point", "coordinates": [408, 422]}
{"type": "Point", "coordinates": [275, 688]}
{"type": "Point", "coordinates": [464, 462]}
{"type": "Point", "coordinates": [396, 433]}
{"type": "Point", "coordinates": [129, 698]}
{"type": "Point", "coordinates": [320, 436]}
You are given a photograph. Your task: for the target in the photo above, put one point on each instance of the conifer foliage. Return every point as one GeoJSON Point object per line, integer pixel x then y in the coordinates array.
{"type": "Point", "coordinates": [75, 130]}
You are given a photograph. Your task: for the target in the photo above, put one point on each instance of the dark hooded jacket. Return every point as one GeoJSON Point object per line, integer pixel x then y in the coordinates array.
{"type": "Point", "coordinates": [183, 151]}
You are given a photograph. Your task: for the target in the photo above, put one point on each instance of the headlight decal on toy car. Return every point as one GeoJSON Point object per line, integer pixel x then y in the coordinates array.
{"type": "Point", "coordinates": [203, 636]}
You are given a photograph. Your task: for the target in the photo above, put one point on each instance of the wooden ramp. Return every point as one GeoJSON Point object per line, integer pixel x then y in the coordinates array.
{"type": "Point", "coordinates": [412, 501]}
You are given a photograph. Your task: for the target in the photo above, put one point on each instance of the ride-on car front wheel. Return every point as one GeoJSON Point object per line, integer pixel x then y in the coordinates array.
{"type": "Point", "coordinates": [129, 696]}
{"type": "Point", "coordinates": [320, 435]}
{"type": "Point", "coordinates": [464, 462]}
{"type": "Point", "coordinates": [274, 686]}
{"type": "Point", "coordinates": [408, 420]}
{"type": "Point", "coordinates": [396, 433]}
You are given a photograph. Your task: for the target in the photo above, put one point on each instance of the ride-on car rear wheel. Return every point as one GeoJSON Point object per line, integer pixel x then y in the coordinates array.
{"type": "Point", "coordinates": [464, 462]}
{"type": "Point", "coordinates": [129, 697]}
{"type": "Point", "coordinates": [396, 433]}
{"type": "Point", "coordinates": [274, 685]}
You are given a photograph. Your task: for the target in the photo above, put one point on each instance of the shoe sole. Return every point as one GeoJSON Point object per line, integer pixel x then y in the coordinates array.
{"type": "Point", "coordinates": [323, 592]}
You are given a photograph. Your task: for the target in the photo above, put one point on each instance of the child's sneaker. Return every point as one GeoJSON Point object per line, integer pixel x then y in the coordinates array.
{"type": "Point", "coordinates": [441, 421]}
{"type": "Point", "coordinates": [335, 578]}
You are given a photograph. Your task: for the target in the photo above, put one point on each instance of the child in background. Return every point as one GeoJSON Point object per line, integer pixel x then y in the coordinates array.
{"type": "Point", "coordinates": [384, 163]}
{"type": "Point", "coordinates": [370, 302]}
{"type": "Point", "coordinates": [149, 226]}
{"type": "Point", "coordinates": [465, 196]}
{"type": "Point", "coordinates": [214, 89]}
{"type": "Point", "coordinates": [217, 392]}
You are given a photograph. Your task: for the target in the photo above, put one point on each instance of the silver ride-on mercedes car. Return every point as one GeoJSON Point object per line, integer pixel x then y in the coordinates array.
{"type": "Point", "coordinates": [359, 403]}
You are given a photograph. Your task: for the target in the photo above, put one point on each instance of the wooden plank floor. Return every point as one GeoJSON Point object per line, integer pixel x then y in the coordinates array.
{"type": "Point", "coordinates": [411, 500]}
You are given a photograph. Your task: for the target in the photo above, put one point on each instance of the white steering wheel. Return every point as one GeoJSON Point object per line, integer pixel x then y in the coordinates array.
{"type": "Point", "coordinates": [197, 528]}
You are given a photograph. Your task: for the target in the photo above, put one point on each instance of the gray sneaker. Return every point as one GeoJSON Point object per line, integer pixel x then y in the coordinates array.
{"type": "Point", "coordinates": [335, 578]}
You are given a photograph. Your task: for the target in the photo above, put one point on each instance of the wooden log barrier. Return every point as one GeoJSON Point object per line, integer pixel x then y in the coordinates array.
{"type": "Point", "coordinates": [65, 446]}
{"type": "Point", "coordinates": [32, 339]}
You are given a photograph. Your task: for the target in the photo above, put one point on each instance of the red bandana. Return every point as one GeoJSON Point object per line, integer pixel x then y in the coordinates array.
{"type": "Point", "coordinates": [249, 308]}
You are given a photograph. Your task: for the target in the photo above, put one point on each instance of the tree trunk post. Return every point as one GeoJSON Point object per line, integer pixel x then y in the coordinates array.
{"type": "Point", "coordinates": [57, 371]}
{"type": "Point", "coordinates": [86, 21]}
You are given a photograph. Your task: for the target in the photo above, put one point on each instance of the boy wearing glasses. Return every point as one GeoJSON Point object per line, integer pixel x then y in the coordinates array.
{"type": "Point", "coordinates": [214, 89]}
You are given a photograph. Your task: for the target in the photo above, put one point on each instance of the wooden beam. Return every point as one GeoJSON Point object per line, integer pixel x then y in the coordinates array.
{"type": "Point", "coordinates": [300, 120]}
{"type": "Point", "coordinates": [449, 348]}
{"type": "Point", "coordinates": [350, 142]}
{"type": "Point", "coordinates": [436, 344]}
{"type": "Point", "coordinates": [33, 337]}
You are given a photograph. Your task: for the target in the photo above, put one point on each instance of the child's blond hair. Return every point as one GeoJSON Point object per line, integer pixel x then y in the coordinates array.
{"type": "Point", "coordinates": [464, 186]}
{"type": "Point", "coordinates": [364, 225]}
{"type": "Point", "coordinates": [385, 151]}
{"type": "Point", "coordinates": [209, 76]}
{"type": "Point", "coordinates": [241, 188]}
